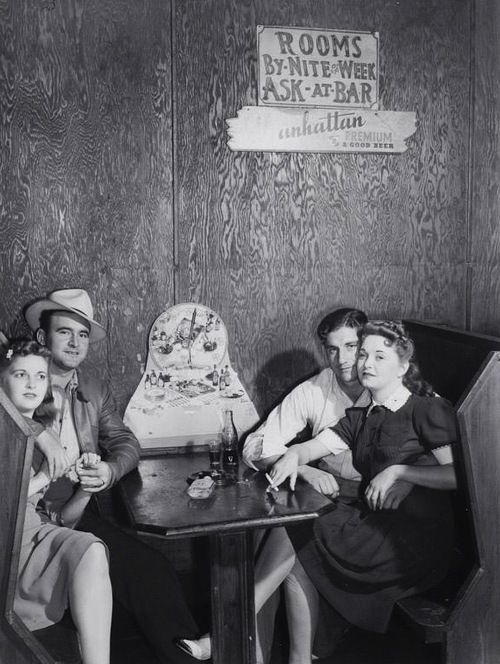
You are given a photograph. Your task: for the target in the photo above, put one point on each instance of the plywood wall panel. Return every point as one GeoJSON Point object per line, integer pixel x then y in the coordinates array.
{"type": "Point", "coordinates": [273, 240]}
{"type": "Point", "coordinates": [86, 166]}
{"type": "Point", "coordinates": [485, 180]}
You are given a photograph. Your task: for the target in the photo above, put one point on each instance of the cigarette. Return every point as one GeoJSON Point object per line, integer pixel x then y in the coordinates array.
{"type": "Point", "coordinates": [271, 487]}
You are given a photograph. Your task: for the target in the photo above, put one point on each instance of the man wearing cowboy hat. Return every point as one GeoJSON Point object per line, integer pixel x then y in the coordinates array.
{"type": "Point", "coordinates": [142, 580]}
{"type": "Point", "coordinates": [88, 421]}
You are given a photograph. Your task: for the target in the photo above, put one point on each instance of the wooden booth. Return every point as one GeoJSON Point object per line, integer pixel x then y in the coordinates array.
{"type": "Point", "coordinates": [463, 613]}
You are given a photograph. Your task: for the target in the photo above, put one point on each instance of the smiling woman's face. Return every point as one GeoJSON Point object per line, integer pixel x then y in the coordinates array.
{"type": "Point", "coordinates": [380, 368]}
{"type": "Point", "coordinates": [26, 380]}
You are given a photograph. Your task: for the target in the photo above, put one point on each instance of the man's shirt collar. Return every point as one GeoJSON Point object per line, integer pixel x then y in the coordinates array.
{"type": "Point", "coordinates": [64, 383]}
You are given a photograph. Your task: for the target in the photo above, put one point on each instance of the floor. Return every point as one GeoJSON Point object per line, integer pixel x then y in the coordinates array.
{"type": "Point", "coordinates": [398, 646]}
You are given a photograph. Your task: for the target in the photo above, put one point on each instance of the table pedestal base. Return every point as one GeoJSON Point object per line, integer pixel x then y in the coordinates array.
{"type": "Point", "coordinates": [233, 612]}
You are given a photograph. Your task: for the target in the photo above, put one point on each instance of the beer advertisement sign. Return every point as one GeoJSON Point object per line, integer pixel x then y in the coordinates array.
{"type": "Point", "coordinates": [318, 91]}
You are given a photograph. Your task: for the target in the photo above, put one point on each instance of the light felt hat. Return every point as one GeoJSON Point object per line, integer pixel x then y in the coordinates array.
{"type": "Point", "coordinates": [75, 300]}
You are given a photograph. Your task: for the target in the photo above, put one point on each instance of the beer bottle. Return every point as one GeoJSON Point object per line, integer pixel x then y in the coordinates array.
{"type": "Point", "coordinates": [229, 440]}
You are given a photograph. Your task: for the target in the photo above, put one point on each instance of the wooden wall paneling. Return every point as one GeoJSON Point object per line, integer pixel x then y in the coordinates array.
{"type": "Point", "coordinates": [86, 193]}
{"type": "Point", "coordinates": [15, 453]}
{"type": "Point", "coordinates": [274, 240]}
{"type": "Point", "coordinates": [474, 635]}
{"type": "Point", "coordinates": [485, 175]}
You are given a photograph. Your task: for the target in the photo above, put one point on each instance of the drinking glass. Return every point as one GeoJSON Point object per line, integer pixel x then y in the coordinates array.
{"type": "Point", "coordinates": [214, 452]}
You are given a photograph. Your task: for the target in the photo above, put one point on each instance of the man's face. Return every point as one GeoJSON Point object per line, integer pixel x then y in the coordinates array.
{"type": "Point", "coordinates": [68, 340]}
{"type": "Point", "coordinates": [341, 348]}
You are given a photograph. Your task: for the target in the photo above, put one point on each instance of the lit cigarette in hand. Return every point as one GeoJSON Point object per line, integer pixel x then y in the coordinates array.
{"type": "Point", "coordinates": [271, 487]}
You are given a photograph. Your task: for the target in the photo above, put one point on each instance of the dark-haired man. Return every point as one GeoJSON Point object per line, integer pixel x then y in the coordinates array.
{"type": "Point", "coordinates": [318, 403]}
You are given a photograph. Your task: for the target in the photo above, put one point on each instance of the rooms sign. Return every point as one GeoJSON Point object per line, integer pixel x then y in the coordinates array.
{"type": "Point", "coordinates": [318, 91]}
{"type": "Point", "coordinates": [317, 68]}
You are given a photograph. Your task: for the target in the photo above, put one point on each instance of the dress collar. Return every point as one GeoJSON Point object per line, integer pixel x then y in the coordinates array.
{"type": "Point", "coordinates": [393, 403]}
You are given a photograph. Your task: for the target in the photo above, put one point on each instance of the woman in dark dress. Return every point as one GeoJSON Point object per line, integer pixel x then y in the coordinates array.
{"type": "Point", "coordinates": [396, 538]}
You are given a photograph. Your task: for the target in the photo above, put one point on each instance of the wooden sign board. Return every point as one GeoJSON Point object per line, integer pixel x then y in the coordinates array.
{"type": "Point", "coordinates": [318, 91]}
{"type": "Point", "coordinates": [317, 67]}
{"type": "Point", "coordinates": [319, 130]}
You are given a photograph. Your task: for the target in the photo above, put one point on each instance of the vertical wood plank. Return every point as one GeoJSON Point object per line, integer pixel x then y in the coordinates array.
{"type": "Point", "coordinates": [485, 176]}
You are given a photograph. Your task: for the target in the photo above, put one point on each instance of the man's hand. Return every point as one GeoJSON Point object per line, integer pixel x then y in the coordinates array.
{"type": "Point", "coordinates": [396, 494]}
{"type": "Point", "coordinates": [381, 486]}
{"type": "Point", "coordinates": [320, 480]}
{"type": "Point", "coordinates": [94, 474]}
{"type": "Point", "coordinates": [57, 461]}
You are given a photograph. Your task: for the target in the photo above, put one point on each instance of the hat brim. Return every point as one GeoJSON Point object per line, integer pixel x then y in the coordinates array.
{"type": "Point", "coordinates": [33, 312]}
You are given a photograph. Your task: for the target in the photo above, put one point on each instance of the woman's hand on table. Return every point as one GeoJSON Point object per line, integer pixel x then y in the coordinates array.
{"type": "Point", "coordinates": [286, 466]}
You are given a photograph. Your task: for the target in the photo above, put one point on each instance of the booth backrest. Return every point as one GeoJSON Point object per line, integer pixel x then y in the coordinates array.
{"type": "Point", "coordinates": [475, 618]}
{"type": "Point", "coordinates": [449, 358]}
{"type": "Point", "coordinates": [17, 644]}
{"type": "Point", "coordinates": [465, 368]}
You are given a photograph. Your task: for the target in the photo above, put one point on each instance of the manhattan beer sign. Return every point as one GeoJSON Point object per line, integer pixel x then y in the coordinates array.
{"type": "Point", "coordinates": [318, 91]}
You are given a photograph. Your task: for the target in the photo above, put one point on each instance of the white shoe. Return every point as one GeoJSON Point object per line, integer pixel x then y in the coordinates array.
{"type": "Point", "coordinates": [200, 649]}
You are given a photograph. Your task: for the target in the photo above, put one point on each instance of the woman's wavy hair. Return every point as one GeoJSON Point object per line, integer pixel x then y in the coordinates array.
{"type": "Point", "coordinates": [45, 412]}
{"type": "Point", "coordinates": [397, 337]}
{"type": "Point", "coordinates": [345, 317]}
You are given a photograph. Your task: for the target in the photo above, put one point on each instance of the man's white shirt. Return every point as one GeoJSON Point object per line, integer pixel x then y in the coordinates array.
{"type": "Point", "coordinates": [318, 402]}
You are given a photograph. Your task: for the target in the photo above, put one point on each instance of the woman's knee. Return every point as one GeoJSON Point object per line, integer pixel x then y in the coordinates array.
{"type": "Point", "coordinates": [95, 560]}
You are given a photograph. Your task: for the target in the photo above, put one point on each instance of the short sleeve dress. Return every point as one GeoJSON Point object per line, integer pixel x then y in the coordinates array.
{"type": "Point", "coordinates": [48, 559]}
{"type": "Point", "coordinates": [362, 561]}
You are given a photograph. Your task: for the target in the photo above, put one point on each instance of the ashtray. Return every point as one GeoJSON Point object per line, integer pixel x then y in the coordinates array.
{"type": "Point", "coordinates": [220, 477]}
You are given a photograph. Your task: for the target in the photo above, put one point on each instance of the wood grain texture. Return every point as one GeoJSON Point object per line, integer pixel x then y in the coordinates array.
{"type": "Point", "coordinates": [272, 241]}
{"type": "Point", "coordinates": [14, 478]}
{"type": "Point", "coordinates": [474, 635]}
{"type": "Point", "coordinates": [485, 177]}
{"type": "Point", "coordinates": [85, 131]}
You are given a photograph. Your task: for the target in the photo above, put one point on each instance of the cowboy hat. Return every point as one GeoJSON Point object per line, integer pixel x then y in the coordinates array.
{"type": "Point", "coordinates": [75, 300]}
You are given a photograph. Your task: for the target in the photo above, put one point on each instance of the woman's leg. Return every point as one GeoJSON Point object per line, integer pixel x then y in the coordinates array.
{"type": "Point", "coordinates": [146, 585]}
{"type": "Point", "coordinates": [274, 563]}
{"type": "Point", "coordinates": [302, 605]}
{"type": "Point", "coordinates": [91, 604]}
